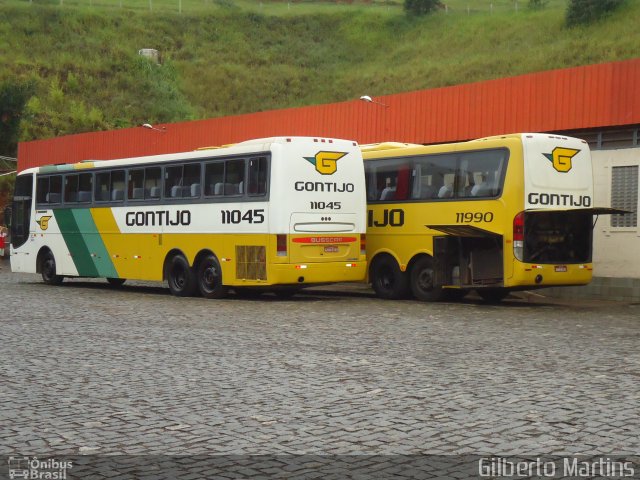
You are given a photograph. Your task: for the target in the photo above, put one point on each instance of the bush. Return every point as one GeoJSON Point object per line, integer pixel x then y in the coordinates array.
{"type": "Point", "coordinates": [582, 12]}
{"type": "Point", "coordinates": [421, 7]}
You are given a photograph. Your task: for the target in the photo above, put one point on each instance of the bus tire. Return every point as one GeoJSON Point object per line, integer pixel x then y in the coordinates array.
{"type": "Point", "coordinates": [48, 270]}
{"type": "Point", "coordinates": [116, 282]}
{"type": "Point", "coordinates": [492, 295]}
{"type": "Point", "coordinates": [387, 280]}
{"type": "Point", "coordinates": [422, 281]}
{"type": "Point", "coordinates": [209, 278]}
{"type": "Point", "coordinates": [180, 277]}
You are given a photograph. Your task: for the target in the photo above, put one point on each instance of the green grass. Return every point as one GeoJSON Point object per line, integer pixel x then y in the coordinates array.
{"type": "Point", "coordinates": [225, 57]}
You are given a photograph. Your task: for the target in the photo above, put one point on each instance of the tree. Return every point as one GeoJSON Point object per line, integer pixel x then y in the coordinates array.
{"type": "Point", "coordinates": [13, 98]}
{"type": "Point", "coordinates": [582, 12]}
{"type": "Point", "coordinates": [421, 7]}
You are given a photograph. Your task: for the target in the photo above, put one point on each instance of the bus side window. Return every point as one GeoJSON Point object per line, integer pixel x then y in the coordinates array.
{"type": "Point", "coordinates": [135, 186]}
{"type": "Point", "coordinates": [70, 188]}
{"type": "Point", "coordinates": [173, 182]}
{"type": "Point", "coordinates": [85, 187]}
{"type": "Point", "coordinates": [101, 192]}
{"type": "Point", "coordinates": [233, 177]}
{"type": "Point", "coordinates": [42, 190]}
{"type": "Point", "coordinates": [55, 189]}
{"type": "Point", "coordinates": [191, 181]}
{"type": "Point", "coordinates": [152, 181]}
{"type": "Point", "coordinates": [117, 185]}
{"type": "Point", "coordinates": [213, 175]}
{"type": "Point", "coordinates": [257, 176]}
{"type": "Point", "coordinates": [403, 185]}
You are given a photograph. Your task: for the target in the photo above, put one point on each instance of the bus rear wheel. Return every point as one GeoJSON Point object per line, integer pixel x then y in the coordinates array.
{"type": "Point", "coordinates": [209, 278]}
{"type": "Point", "coordinates": [423, 281]}
{"type": "Point", "coordinates": [492, 295]}
{"type": "Point", "coordinates": [387, 280]}
{"type": "Point", "coordinates": [180, 277]}
{"type": "Point", "coordinates": [48, 270]}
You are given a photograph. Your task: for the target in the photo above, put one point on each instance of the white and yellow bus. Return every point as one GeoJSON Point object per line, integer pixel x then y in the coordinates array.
{"type": "Point", "coordinates": [287, 212]}
{"type": "Point", "coordinates": [497, 214]}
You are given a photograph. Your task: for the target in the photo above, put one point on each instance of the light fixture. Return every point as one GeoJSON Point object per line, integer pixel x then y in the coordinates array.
{"type": "Point", "coordinates": [368, 99]}
{"type": "Point", "coordinates": [151, 127]}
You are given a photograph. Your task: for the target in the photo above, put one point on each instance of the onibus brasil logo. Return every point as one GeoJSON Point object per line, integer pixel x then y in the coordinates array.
{"type": "Point", "coordinates": [560, 158]}
{"type": "Point", "coordinates": [326, 163]}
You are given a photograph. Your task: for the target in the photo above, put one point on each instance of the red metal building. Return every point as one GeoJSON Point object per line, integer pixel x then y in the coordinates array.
{"type": "Point", "coordinates": [580, 98]}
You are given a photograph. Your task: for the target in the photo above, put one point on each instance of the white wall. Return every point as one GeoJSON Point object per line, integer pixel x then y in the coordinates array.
{"type": "Point", "coordinates": [616, 250]}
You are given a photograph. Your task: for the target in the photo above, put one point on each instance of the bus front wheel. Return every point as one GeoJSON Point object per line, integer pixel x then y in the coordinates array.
{"type": "Point", "coordinates": [387, 280]}
{"type": "Point", "coordinates": [48, 270]}
{"type": "Point", "coordinates": [209, 276]}
{"type": "Point", "coordinates": [423, 281]}
{"type": "Point", "coordinates": [180, 277]}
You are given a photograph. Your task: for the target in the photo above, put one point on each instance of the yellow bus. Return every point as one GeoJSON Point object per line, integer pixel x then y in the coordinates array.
{"type": "Point", "coordinates": [286, 212]}
{"type": "Point", "coordinates": [496, 214]}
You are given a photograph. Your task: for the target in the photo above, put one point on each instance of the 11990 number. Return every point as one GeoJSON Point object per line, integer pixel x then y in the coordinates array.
{"type": "Point", "coordinates": [474, 217]}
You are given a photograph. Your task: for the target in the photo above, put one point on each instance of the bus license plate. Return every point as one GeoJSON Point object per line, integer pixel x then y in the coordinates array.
{"type": "Point", "coordinates": [561, 268]}
{"type": "Point", "coordinates": [330, 249]}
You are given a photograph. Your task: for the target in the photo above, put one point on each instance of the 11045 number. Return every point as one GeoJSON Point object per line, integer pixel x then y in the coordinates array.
{"type": "Point", "coordinates": [326, 205]}
{"type": "Point", "coordinates": [237, 216]}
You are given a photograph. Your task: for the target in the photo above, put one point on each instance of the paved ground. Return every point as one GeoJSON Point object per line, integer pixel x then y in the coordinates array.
{"type": "Point", "coordinates": [86, 368]}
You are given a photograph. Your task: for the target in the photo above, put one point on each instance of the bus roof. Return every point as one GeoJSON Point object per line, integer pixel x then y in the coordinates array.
{"type": "Point", "coordinates": [245, 147]}
{"type": "Point", "coordinates": [374, 147]}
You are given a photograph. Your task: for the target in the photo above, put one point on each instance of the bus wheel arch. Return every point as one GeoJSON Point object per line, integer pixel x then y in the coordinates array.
{"type": "Point", "coordinates": [208, 272]}
{"type": "Point", "coordinates": [422, 278]}
{"type": "Point", "coordinates": [387, 280]}
{"type": "Point", "coordinates": [46, 266]}
{"type": "Point", "coordinates": [179, 274]}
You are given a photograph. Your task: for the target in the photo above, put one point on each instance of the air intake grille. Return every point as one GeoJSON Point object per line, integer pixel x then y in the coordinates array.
{"type": "Point", "coordinates": [251, 262]}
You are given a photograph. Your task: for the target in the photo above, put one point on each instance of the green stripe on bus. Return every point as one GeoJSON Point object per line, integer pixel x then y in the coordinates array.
{"type": "Point", "coordinates": [75, 241]}
{"type": "Point", "coordinates": [97, 250]}
{"type": "Point", "coordinates": [55, 168]}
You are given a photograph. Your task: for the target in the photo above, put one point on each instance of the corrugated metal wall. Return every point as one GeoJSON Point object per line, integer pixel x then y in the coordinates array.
{"type": "Point", "coordinates": [568, 99]}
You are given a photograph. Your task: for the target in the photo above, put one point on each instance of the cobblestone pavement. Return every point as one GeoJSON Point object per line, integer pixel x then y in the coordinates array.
{"type": "Point", "coordinates": [86, 368]}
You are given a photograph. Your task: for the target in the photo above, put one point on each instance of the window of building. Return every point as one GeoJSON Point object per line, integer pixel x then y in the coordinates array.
{"type": "Point", "coordinates": [624, 195]}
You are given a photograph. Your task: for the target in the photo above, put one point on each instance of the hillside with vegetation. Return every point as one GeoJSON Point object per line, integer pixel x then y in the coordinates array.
{"type": "Point", "coordinates": [76, 61]}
